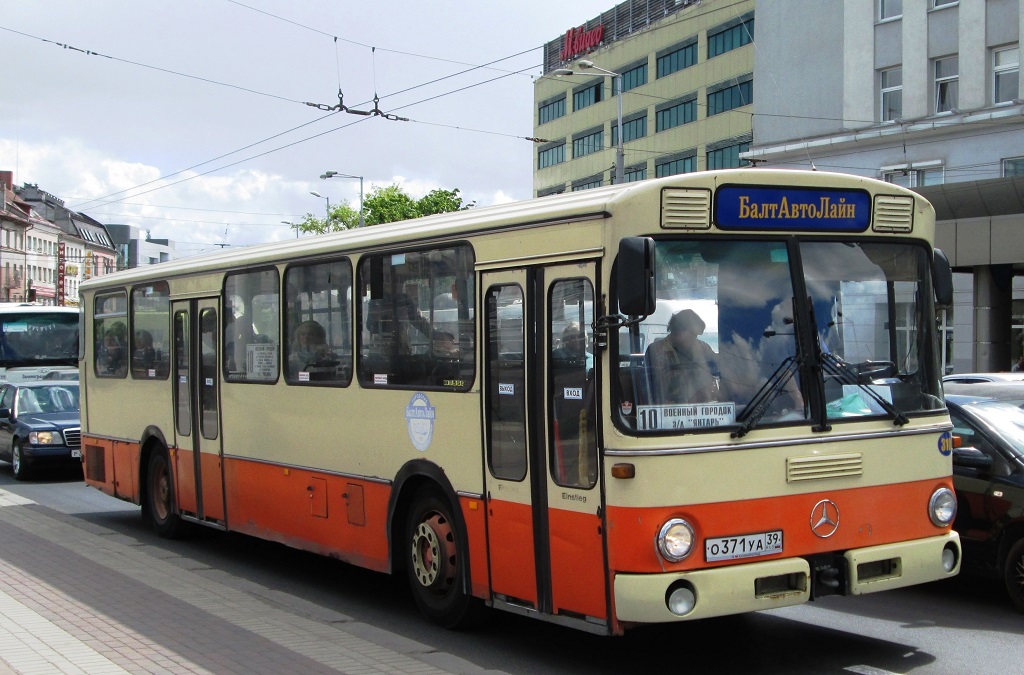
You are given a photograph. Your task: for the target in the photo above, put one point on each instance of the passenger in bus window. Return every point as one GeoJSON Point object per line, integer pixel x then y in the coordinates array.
{"type": "Point", "coordinates": [144, 357]}
{"type": "Point", "coordinates": [309, 345]}
{"type": "Point", "coordinates": [682, 368]}
{"type": "Point", "coordinates": [114, 357]}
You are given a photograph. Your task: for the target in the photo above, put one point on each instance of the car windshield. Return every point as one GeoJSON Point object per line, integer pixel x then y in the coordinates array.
{"type": "Point", "coordinates": [52, 399]}
{"type": "Point", "coordinates": [38, 339]}
{"type": "Point", "coordinates": [724, 344]}
{"type": "Point", "coordinates": [1005, 418]}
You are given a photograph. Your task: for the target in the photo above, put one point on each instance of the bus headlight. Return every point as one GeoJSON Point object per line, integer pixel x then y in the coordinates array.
{"type": "Point", "coordinates": [44, 438]}
{"type": "Point", "coordinates": [942, 507]}
{"type": "Point", "coordinates": [675, 540]}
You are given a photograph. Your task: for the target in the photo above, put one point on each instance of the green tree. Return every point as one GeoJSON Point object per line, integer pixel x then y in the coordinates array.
{"type": "Point", "coordinates": [386, 205]}
{"type": "Point", "coordinates": [342, 217]}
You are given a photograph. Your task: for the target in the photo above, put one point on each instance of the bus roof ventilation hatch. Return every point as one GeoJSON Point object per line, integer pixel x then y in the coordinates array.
{"type": "Point", "coordinates": [893, 213]}
{"type": "Point", "coordinates": [685, 209]}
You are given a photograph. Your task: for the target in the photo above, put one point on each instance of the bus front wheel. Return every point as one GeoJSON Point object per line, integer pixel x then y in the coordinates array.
{"type": "Point", "coordinates": [436, 563]}
{"type": "Point", "coordinates": [160, 496]}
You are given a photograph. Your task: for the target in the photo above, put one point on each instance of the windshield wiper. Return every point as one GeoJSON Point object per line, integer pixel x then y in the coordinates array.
{"type": "Point", "coordinates": [849, 374]}
{"type": "Point", "coordinates": [765, 396]}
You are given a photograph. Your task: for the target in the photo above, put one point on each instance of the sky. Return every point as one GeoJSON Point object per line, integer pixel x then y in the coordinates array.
{"type": "Point", "coordinates": [188, 119]}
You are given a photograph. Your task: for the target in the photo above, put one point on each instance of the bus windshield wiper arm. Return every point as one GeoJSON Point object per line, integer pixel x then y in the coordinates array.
{"type": "Point", "coordinates": [765, 396]}
{"type": "Point", "coordinates": [841, 370]}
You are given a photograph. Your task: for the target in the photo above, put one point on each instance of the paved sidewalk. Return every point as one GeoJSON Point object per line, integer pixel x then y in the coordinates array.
{"type": "Point", "coordinates": [79, 598]}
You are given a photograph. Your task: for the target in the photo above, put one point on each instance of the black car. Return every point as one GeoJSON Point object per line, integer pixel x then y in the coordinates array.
{"type": "Point", "coordinates": [40, 425]}
{"type": "Point", "coordinates": [988, 475]}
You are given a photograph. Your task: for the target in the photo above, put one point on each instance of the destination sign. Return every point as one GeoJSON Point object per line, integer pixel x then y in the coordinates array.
{"type": "Point", "coordinates": [742, 207]}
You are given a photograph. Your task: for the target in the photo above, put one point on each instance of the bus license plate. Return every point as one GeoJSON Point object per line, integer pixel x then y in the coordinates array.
{"type": "Point", "coordinates": [744, 546]}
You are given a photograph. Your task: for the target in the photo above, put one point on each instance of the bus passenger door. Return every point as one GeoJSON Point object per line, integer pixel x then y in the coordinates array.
{"type": "Point", "coordinates": [511, 522]}
{"type": "Point", "coordinates": [198, 460]}
{"type": "Point", "coordinates": [545, 533]}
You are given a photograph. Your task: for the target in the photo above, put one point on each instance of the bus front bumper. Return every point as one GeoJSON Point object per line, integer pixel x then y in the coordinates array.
{"type": "Point", "coordinates": [749, 587]}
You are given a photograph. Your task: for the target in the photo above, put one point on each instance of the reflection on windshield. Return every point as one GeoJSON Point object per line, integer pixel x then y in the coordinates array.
{"type": "Point", "coordinates": [723, 327]}
{"type": "Point", "coordinates": [1006, 418]}
{"type": "Point", "coordinates": [868, 303]}
{"type": "Point", "coordinates": [35, 339]}
{"type": "Point", "coordinates": [730, 345]}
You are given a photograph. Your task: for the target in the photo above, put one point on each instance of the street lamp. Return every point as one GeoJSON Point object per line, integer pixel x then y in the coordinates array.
{"type": "Point", "coordinates": [620, 155]}
{"type": "Point", "coordinates": [334, 174]}
{"type": "Point", "coordinates": [317, 194]}
{"type": "Point", "coordinates": [294, 225]}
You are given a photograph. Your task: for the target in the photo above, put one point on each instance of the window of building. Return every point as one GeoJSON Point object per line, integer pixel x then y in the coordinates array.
{"type": "Point", "coordinates": [727, 157]}
{"type": "Point", "coordinates": [944, 3]}
{"type": "Point", "coordinates": [588, 144]}
{"type": "Point", "coordinates": [631, 79]}
{"type": "Point", "coordinates": [551, 111]}
{"type": "Point", "coordinates": [892, 94]}
{"type": "Point", "coordinates": [150, 344]}
{"type": "Point", "coordinates": [1005, 69]}
{"type": "Point", "coordinates": [947, 84]}
{"type": "Point", "coordinates": [732, 35]}
{"type": "Point", "coordinates": [110, 331]}
{"type": "Point", "coordinates": [318, 323]}
{"type": "Point", "coordinates": [587, 96]}
{"type": "Point", "coordinates": [416, 312]}
{"type": "Point", "coordinates": [677, 59]}
{"type": "Point", "coordinates": [730, 97]}
{"type": "Point", "coordinates": [587, 185]}
{"type": "Point", "coordinates": [675, 166]}
{"type": "Point", "coordinates": [915, 177]}
{"type": "Point", "coordinates": [889, 9]}
{"type": "Point", "coordinates": [551, 156]}
{"type": "Point", "coordinates": [252, 339]}
{"type": "Point", "coordinates": [631, 130]}
{"type": "Point", "coordinates": [633, 174]}
{"type": "Point", "coordinates": [1013, 166]}
{"type": "Point", "coordinates": [676, 115]}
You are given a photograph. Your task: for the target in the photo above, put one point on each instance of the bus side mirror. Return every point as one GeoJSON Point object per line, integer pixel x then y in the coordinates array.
{"type": "Point", "coordinates": [943, 276]}
{"type": "Point", "coordinates": [635, 276]}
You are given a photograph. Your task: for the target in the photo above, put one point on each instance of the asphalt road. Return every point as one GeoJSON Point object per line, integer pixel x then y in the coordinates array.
{"type": "Point", "coordinates": [966, 625]}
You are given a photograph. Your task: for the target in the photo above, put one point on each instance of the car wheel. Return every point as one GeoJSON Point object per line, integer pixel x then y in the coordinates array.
{"type": "Point", "coordinates": [437, 563]}
{"type": "Point", "coordinates": [160, 497]}
{"type": "Point", "coordinates": [1013, 574]}
{"type": "Point", "coordinates": [18, 465]}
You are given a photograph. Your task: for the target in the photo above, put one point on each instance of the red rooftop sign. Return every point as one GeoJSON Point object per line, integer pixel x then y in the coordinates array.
{"type": "Point", "coordinates": [578, 40]}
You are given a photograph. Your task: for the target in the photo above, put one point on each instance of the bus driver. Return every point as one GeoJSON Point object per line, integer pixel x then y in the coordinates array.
{"type": "Point", "coordinates": [682, 367]}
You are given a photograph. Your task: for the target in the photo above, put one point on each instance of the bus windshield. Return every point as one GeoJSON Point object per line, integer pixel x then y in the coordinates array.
{"type": "Point", "coordinates": [724, 346]}
{"type": "Point", "coordinates": [38, 339]}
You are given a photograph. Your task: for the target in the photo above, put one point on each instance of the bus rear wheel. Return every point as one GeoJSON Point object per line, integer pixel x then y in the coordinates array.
{"type": "Point", "coordinates": [437, 562]}
{"type": "Point", "coordinates": [160, 497]}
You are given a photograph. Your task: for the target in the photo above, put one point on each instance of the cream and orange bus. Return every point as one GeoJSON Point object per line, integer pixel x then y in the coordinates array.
{"type": "Point", "coordinates": [667, 400]}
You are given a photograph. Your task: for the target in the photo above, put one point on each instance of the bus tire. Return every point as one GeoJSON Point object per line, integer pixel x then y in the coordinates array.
{"type": "Point", "coordinates": [19, 467]}
{"type": "Point", "coordinates": [437, 562]}
{"type": "Point", "coordinates": [159, 509]}
{"type": "Point", "coordinates": [1013, 574]}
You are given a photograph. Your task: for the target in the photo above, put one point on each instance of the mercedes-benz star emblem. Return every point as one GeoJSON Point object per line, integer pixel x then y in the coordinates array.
{"type": "Point", "coordinates": [825, 518]}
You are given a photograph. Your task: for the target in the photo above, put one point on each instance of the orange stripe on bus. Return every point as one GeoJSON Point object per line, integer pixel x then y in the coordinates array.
{"type": "Point", "coordinates": [347, 521]}
{"type": "Point", "coordinates": [475, 518]}
{"type": "Point", "coordinates": [867, 517]}
{"type": "Point", "coordinates": [577, 563]}
{"type": "Point", "coordinates": [513, 561]}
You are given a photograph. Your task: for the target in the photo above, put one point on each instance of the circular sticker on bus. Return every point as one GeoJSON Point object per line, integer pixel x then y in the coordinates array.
{"type": "Point", "coordinates": [419, 415]}
{"type": "Point", "coordinates": [946, 443]}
